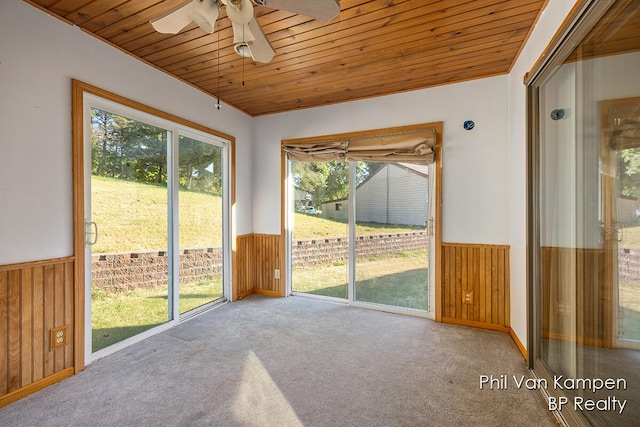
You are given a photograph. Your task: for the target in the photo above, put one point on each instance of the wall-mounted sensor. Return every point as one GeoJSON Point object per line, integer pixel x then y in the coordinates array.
{"type": "Point", "coordinates": [558, 114]}
{"type": "Point", "coordinates": [469, 124]}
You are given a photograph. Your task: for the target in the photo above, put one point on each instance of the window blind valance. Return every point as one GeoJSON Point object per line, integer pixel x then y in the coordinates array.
{"type": "Point", "coordinates": [324, 151]}
{"type": "Point", "coordinates": [416, 146]}
{"type": "Point", "coordinates": [626, 135]}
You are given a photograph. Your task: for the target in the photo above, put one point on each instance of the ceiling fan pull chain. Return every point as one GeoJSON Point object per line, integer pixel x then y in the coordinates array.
{"type": "Point", "coordinates": [218, 105]}
{"type": "Point", "coordinates": [243, 57]}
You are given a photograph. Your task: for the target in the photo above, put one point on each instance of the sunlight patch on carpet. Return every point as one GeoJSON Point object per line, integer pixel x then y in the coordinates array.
{"type": "Point", "coordinates": [259, 401]}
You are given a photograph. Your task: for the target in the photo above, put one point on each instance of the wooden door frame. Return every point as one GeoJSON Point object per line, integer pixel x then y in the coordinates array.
{"type": "Point", "coordinates": [609, 196]}
{"type": "Point", "coordinates": [79, 89]}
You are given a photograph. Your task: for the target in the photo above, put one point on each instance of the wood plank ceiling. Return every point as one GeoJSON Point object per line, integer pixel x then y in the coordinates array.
{"type": "Point", "coordinates": [372, 48]}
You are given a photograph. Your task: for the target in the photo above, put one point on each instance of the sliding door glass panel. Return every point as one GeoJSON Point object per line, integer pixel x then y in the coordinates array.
{"type": "Point", "coordinates": [391, 238]}
{"type": "Point", "coordinates": [320, 230]}
{"type": "Point", "coordinates": [561, 251]}
{"type": "Point", "coordinates": [129, 270]}
{"type": "Point", "coordinates": [587, 303]}
{"type": "Point", "coordinates": [623, 208]}
{"type": "Point", "coordinates": [200, 222]}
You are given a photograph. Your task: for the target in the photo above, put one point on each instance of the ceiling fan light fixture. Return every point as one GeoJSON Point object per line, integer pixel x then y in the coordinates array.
{"type": "Point", "coordinates": [243, 50]}
{"type": "Point", "coordinates": [240, 12]}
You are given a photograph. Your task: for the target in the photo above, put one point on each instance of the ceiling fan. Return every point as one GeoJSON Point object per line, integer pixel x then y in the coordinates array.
{"type": "Point", "coordinates": [248, 38]}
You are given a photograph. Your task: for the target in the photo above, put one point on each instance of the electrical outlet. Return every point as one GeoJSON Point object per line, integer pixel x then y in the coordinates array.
{"type": "Point", "coordinates": [564, 308]}
{"type": "Point", "coordinates": [277, 271]}
{"type": "Point", "coordinates": [467, 297]}
{"type": "Point", "coordinates": [59, 337]}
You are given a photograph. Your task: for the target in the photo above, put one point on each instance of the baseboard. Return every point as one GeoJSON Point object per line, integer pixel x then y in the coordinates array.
{"type": "Point", "coordinates": [269, 293]}
{"type": "Point", "coordinates": [521, 347]}
{"type": "Point", "coordinates": [474, 324]}
{"type": "Point", "coordinates": [245, 294]}
{"type": "Point", "coordinates": [36, 386]}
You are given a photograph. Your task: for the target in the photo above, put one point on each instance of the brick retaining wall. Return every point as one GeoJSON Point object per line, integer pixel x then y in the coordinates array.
{"type": "Point", "coordinates": [323, 251]}
{"type": "Point", "coordinates": [629, 264]}
{"type": "Point", "coordinates": [126, 270]}
{"type": "Point", "coordinates": [123, 271]}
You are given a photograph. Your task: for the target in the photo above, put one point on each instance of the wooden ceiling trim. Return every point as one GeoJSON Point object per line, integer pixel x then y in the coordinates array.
{"type": "Point", "coordinates": [44, 3]}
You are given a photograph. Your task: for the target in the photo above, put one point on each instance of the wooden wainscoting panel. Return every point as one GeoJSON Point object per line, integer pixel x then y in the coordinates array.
{"type": "Point", "coordinates": [576, 296]}
{"type": "Point", "coordinates": [34, 298]}
{"type": "Point", "coordinates": [244, 280]}
{"type": "Point", "coordinates": [257, 258]}
{"type": "Point", "coordinates": [480, 272]}
{"type": "Point", "coordinates": [267, 260]}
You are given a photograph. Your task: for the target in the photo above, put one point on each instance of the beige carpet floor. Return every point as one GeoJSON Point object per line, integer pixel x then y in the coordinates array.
{"type": "Point", "coordinates": [295, 362]}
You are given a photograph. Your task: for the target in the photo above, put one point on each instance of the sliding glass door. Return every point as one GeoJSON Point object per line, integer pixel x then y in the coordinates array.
{"type": "Point", "coordinates": [156, 221]}
{"type": "Point", "coordinates": [362, 231]}
{"type": "Point", "coordinates": [391, 247]}
{"type": "Point", "coordinates": [318, 212]}
{"type": "Point", "coordinates": [200, 224]}
{"type": "Point", "coordinates": [584, 218]}
{"type": "Point", "coordinates": [129, 226]}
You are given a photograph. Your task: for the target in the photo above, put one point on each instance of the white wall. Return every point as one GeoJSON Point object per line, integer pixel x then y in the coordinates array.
{"type": "Point", "coordinates": [550, 20]}
{"type": "Point", "coordinates": [475, 204]}
{"type": "Point", "coordinates": [39, 55]}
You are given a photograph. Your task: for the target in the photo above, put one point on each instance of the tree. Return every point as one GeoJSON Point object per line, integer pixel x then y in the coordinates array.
{"type": "Point", "coordinates": [629, 172]}
{"type": "Point", "coordinates": [127, 149]}
{"type": "Point", "coordinates": [327, 180]}
{"type": "Point", "coordinates": [200, 166]}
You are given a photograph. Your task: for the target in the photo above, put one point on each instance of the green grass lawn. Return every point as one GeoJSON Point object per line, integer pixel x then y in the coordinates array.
{"type": "Point", "coordinates": [307, 226]}
{"type": "Point", "coordinates": [631, 236]}
{"type": "Point", "coordinates": [120, 315]}
{"type": "Point", "coordinates": [132, 216]}
{"type": "Point", "coordinates": [629, 303]}
{"type": "Point", "coordinates": [399, 280]}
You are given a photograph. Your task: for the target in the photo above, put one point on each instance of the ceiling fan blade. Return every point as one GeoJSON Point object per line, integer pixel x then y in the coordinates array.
{"type": "Point", "coordinates": [205, 14]}
{"type": "Point", "coordinates": [322, 10]}
{"type": "Point", "coordinates": [176, 19]}
{"type": "Point", "coordinates": [260, 48]}
{"type": "Point", "coordinates": [242, 33]}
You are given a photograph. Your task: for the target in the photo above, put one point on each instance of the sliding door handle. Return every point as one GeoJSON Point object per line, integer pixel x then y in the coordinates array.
{"type": "Point", "coordinates": [430, 223]}
{"type": "Point", "coordinates": [91, 236]}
